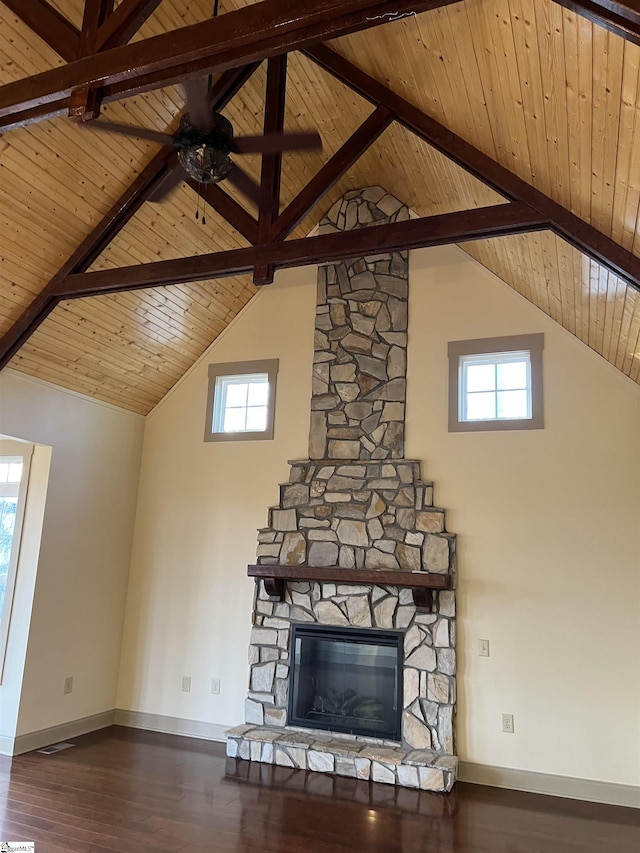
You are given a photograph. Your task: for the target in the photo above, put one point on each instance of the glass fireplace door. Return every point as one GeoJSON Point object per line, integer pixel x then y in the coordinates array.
{"type": "Point", "coordinates": [346, 680]}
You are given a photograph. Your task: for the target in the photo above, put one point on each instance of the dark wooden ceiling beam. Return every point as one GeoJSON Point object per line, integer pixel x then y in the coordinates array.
{"type": "Point", "coordinates": [571, 228]}
{"type": "Point", "coordinates": [125, 22]}
{"type": "Point", "coordinates": [271, 171]}
{"type": "Point", "coordinates": [229, 208]}
{"type": "Point", "coordinates": [110, 93]}
{"type": "Point", "coordinates": [95, 14]}
{"type": "Point", "coordinates": [33, 115]}
{"type": "Point", "coordinates": [623, 19]}
{"type": "Point", "coordinates": [142, 188]}
{"type": "Point", "coordinates": [359, 141]}
{"type": "Point", "coordinates": [476, 224]}
{"type": "Point", "coordinates": [85, 101]}
{"type": "Point", "coordinates": [65, 40]}
{"type": "Point", "coordinates": [602, 11]}
{"type": "Point", "coordinates": [249, 34]}
{"type": "Point", "coordinates": [47, 23]}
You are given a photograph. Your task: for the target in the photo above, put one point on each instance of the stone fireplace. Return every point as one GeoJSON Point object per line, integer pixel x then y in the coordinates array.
{"type": "Point", "coordinates": [356, 544]}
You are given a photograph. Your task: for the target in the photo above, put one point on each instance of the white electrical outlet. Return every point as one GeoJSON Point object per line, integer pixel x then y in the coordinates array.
{"type": "Point", "coordinates": [483, 648]}
{"type": "Point", "coordinates": [507, 724]}
{"type": "Point", "coordinates": [215, 685]}
{"type": "Point", "coordinates": [68, 684]}
{"type": "Point", "coordinates": [186, 684]}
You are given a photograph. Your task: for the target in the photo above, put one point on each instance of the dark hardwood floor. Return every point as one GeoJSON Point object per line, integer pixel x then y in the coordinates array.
{"type": "Point", "coordinates": [125, 790]}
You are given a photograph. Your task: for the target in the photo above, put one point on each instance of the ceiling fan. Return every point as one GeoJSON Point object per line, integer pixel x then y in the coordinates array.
{"type": "Point", "coordinates": [205, 142]}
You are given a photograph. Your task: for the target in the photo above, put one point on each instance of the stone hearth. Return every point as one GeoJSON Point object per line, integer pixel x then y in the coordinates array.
{"type": "Point", "coordinates": [357, 504]}
{"type": "Point", "coordinates": [341, 756]}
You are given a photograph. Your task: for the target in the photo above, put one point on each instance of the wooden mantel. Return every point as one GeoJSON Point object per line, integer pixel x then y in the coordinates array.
{"type": "Point", "coordinates": [422, 584]}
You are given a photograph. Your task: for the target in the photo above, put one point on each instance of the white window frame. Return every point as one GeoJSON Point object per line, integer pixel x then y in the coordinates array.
{"type": "Point", "coordinates": [7, 608]}
{"type": "Point", "coordinates": [493, 359]}
{"type": "Point", "coordinates": [495, 349]}
{"type": "Point", "coordinates": [213, 430]}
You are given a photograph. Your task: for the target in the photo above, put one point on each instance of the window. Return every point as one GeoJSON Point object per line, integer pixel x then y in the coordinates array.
{"type": "Point", "coordinates": [495, 386]}
{"type": "Point", "coordinates": [241, 400]}
{"type": "Point", "coordinates": [496, 383]}
{"type": "Point", "coordinates": [14, 471]}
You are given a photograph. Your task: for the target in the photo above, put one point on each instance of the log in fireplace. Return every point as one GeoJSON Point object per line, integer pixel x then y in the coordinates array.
{"type": "Point", "coordinates": [347, 680]}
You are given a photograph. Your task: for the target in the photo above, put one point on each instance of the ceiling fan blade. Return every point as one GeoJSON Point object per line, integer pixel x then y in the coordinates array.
{"type": "Point", "coordinates": [128, 130]}
{"type": "Point", "coordinates": [166, 185]}
{"type": "Point", "coordinates": [245, 183]}
{"type": "Point", "coordinates": [196, 92]}
{"type": "Point", "coordinates": [272, 143]}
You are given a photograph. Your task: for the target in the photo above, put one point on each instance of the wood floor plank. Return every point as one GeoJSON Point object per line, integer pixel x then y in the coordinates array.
{"type": "Point", "coordinates": [137, 792]}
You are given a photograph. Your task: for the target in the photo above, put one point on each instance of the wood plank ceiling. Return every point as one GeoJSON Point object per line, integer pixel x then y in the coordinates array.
{"type": "Point", "coordinates": [545, 92]}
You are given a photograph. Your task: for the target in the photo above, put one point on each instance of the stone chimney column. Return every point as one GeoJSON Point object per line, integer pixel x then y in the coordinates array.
{"type": "Point", "coordinates": [360, 343]}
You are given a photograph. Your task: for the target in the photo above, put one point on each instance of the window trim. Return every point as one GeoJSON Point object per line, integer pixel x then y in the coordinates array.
{"type": "Point", "coordinates": [238, 368]}
{"type": "Point", "coordinates": [534, 343]}
{"type": "Point", "coordinates": [14, 558]}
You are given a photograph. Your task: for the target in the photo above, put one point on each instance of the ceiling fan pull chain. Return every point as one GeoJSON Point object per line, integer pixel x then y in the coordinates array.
{"type": "Point", "coordinates": [204, 209]}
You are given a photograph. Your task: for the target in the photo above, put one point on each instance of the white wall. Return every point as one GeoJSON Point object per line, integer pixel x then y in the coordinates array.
{"type": "Point", "coordinates": [80, 590]}
{"type": "Point", "coordinates": [549, 548]}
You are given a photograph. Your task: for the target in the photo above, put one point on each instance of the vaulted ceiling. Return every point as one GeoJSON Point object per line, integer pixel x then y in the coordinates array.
{"type": "Point", "coordinates": [543, 91]}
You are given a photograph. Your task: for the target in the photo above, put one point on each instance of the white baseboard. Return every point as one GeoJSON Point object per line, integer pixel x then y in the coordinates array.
{"type": "Point", "coordinates": [533, 782]}
{"type": "Point", "coordinates": [45, 737]}
{"type": "Point", "coordinates": [170, 725]}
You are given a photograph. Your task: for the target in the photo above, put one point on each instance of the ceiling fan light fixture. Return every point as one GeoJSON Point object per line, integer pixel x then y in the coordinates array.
{"type": "Point", "coordinates": [204, 154]}
{"type": "Point", "coordinates": [205, 164]}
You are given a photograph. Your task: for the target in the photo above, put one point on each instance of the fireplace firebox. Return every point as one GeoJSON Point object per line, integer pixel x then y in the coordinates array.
{"type": "Point", "coordinates": [346, 680]}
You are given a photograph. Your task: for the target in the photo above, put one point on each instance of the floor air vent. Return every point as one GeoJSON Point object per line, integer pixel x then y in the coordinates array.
{"type": "Point", "coordinates": [56, 747]}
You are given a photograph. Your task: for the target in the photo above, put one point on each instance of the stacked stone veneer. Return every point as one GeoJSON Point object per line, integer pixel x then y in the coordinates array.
{"type": "Point", "coordinates": [371, 515]}
{"type": "Point", "coordinates": [360, 344]}
{"type": "Point", "coordinates": [358, 504]}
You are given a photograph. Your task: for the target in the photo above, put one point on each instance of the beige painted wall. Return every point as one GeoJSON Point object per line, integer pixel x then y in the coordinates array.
{"type": "Point", "coordinates": [199, 506]}
{"type": "Point", "coordinates": [549, 548]}
{"type": "Point", "coordinates": [549, 539]}
{"type": "Point", "coordinates": [80, 590]}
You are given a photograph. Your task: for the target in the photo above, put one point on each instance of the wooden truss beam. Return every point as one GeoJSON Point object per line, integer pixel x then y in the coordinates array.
{"type": "Point", "coordinates": [331, 172]}
{"type": "Point", "coordinates": [249, 34]}
{"type": "Point", "coordinates": [125, 22]}
{"type": "Point", "coordinates": [52, 27]}
{"type": "Point", "coordinates": [102, 29]}
{"type": "Point", "coordinates": [86, 100]}
{"type": "Point", "coordinates": [623, 19]}
{"type": "Point", "coordinates": [144, 186]}
{"type": "Point", "coordinates": [271, 171]}
{"type": "Point", "coordinates": [562, 222]}
{"type": "Point", "coordinates": [95, 14]}
{"type": "Point", "coordinates": [476, 224]}
{"type": "Point", "coordinates": [70, 44]}
{"type": "Point", "coordinates": [530, 210]}
{"type": "Point", "coordinates": [114, 92]}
